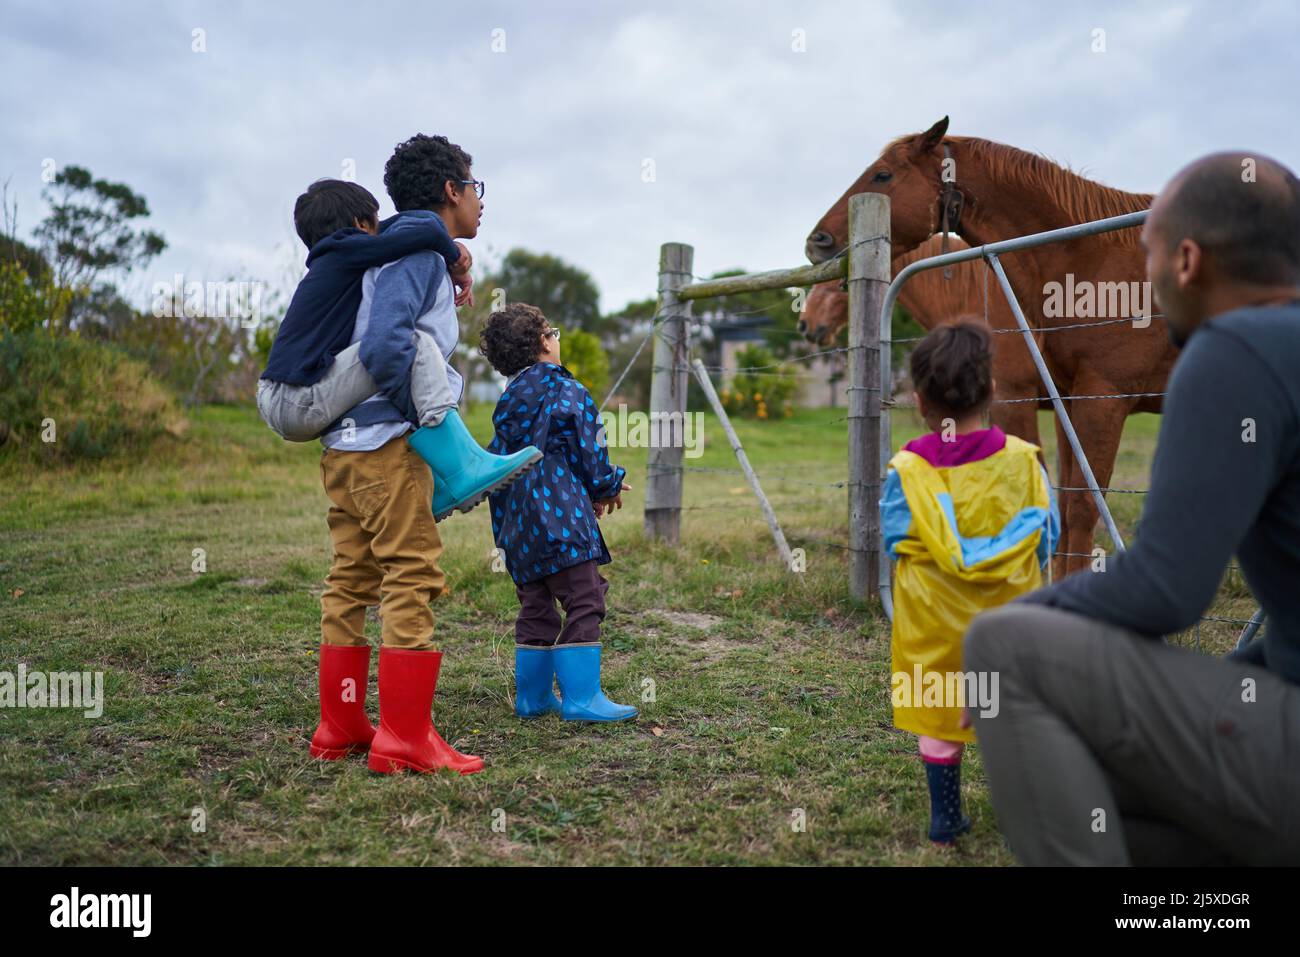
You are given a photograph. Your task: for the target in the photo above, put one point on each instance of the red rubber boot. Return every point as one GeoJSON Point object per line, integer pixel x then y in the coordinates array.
{"type": "Point", "coordinates": [344, 728]}
{"type": "Point", "coordinates": [407, 739]}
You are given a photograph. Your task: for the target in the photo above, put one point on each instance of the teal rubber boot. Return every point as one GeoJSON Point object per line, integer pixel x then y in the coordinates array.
{"type": "Point", "coordinates": [577, 668]}
{"type": "Point", "coordinates": [463, 471]}
{"type": "Point", "coordinates": [534, 682]}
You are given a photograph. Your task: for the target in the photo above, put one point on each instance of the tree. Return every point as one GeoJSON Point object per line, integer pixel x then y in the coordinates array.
{"type": "Point", "coordinates": [625, 332]}
{"type": "Point", "coordinates": [90, 230]}
{"type": "Point", "coordinates": [565, 293]}
{"type": "Point", "coordinates": [775, 305]}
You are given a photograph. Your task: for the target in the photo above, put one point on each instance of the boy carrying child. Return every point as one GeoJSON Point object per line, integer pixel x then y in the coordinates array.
{"type": "Point", "coordinates": [366, 381]}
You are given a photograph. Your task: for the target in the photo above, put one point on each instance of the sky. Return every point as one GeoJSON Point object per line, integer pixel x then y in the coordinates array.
{"type": "Point", "coordinates": [604, 130]}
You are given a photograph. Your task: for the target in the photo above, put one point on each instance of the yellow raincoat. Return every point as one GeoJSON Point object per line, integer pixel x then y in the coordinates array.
{"type": "Point", "coordinates": [966, 538]}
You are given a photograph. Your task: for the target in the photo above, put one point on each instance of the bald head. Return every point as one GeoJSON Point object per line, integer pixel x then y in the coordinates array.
{"type": "Point", "coordinates": [1242, 210]}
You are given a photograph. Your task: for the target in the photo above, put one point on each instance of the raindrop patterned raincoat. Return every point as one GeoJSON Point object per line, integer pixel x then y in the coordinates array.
{"type": "Point", "coordinates": [543, 522]}
{"type": "Point", "coordinates": [971, 524]}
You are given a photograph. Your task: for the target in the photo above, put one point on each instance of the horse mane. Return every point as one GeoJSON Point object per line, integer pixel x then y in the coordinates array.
{"type": "Point", "coordinates": [1082, 199]}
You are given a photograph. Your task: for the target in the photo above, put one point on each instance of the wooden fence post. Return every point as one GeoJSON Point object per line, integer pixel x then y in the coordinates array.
{"type": "Point", "coordinates": [868, 278]}
{"type": "Point", "coordinates": [663, 486]}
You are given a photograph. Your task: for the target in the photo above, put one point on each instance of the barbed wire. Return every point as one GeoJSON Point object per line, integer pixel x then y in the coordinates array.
{"type": "Point", "coordinates": [1086, 488]}
{"type": "Point", "coordinates": [776, 365]}
{"type": "Point", "coordinates": [1072, 398]}
{"type": "Point", "coordinates": [657, 319]}
{"type": "Point", "coordinates": [774, 479]}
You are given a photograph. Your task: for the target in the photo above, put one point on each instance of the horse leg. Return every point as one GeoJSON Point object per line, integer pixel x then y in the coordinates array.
{"type": "Point", "coordinates": [1017, 417]}
{"type": "Point", "coordinates": [1099, 423]}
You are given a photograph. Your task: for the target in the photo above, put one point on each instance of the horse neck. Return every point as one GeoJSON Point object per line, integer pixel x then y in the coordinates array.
{"type": "Point", "coordinates": [1014, 193]}
{"type": "Point", "coordinates": [917, 306]}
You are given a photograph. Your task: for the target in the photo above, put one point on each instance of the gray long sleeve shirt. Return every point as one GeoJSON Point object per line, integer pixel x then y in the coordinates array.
{"type": "Point", "coordinates": [1225, 479]}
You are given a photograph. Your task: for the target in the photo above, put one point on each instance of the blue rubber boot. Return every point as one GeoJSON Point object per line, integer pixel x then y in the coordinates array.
{"type": "Point", "coordinates": [577, 668]}
{"type": "Point", "coordinates": [463, 471]}
{"type": "Point", "coordinates": [534, 682]}
{"type": "Point", "coordinates": [947, 822]}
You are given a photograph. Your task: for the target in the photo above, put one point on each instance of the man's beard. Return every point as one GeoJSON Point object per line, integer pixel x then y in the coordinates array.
{"type": "Point", "coordinates": [1176, 337]}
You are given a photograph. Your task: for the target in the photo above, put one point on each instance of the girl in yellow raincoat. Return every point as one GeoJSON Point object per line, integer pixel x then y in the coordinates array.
{"type": "Point", "coordinates": [970, 518]}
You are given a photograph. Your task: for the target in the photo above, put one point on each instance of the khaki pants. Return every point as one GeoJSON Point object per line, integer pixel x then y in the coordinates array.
{"type": "Point", "coordinates": [1111, 748]}
{"type": "Point", "coordinates": [386, 546]}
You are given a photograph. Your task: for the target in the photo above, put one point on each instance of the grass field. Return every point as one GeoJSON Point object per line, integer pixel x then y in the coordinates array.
{"type": "Point", "coordinates": [770, 690]}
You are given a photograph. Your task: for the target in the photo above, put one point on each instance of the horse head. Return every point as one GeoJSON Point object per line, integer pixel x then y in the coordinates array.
{"type": "Point", "coordinates": [825, 312]}
{"type": "Point", "coordinates": [911, 172]}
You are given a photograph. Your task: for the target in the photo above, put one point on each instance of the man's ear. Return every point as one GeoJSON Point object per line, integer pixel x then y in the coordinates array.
{"type": "Point", "coordinates": [1189, 262]}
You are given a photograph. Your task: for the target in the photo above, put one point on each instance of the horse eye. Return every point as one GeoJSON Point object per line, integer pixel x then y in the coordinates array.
{"type": "Point", "coordinates": [884, 176]}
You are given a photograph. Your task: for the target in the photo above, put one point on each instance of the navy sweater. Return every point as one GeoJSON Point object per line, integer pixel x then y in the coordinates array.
{"type": "Point", "coordinates": [318, 323]}
{"type": "Point", "coordinates": [1225, 479]}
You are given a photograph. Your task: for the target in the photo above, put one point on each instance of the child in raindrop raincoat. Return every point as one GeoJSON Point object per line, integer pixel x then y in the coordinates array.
{"type": "Point", "coordinates": [545, 523]}
{"type": "Point", "coordinates": [969, 516]}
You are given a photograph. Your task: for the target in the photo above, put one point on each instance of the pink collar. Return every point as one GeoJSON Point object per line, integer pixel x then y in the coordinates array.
{"type": "Point", "coordinates": [970, 447]}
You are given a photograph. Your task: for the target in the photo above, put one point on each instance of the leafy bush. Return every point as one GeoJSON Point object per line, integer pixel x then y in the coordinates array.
{"type": "Point", "coordinates": [582, 355]}
{"type": "Point", "coordinates": [767, 393]}
{"type": "Point", "coordinates": [27, 302]}
{"type": "Point", "coordinates": [88, 396]}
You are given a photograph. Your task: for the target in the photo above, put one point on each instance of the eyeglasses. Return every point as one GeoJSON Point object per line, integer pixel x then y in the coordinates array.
{"type": "Point", "coordinates": [479, 186]}
{"type": "Point", "coordinates": [555, 333]}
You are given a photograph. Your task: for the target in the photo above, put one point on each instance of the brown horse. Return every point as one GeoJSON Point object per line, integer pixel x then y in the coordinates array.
{"type": "Point", "coordinates": [931, 300]}
{"type": "Point", "coordinates": [988, 192]}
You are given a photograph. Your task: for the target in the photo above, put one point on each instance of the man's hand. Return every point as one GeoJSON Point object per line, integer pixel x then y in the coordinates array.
{"type": "Point", "coordinates": [606, 505]}
{"type": "Point", "coordinates": [462, 265]}
{"type": "Point", "coordinates": [464, 290]}
{"type": "Point", "coordinates": [460, 277]}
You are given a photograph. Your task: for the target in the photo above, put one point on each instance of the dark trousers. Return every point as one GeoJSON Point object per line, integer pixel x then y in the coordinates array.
{"type": "Point", "coordinates": [1110, 748]}
{"type": "Point", "coordinates": [580, 590]}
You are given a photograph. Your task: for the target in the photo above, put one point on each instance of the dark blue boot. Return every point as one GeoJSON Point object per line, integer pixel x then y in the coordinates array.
{"type": "Point", "coordinates": [946, 820]}
{"type": "Point", "coordinates": [577, 668]}
{"type": "Point", "coordinates": [534, 682]}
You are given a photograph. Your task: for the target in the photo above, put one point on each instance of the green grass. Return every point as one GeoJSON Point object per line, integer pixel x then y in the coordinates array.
{"type": "Point", "coordinates": [770, 690]}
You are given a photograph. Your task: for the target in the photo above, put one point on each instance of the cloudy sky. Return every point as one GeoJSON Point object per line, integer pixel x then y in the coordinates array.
{"type": "Point", "coordinates": [561, 105]}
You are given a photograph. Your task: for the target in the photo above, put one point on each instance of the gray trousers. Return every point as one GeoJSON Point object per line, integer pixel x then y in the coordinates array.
{"type": "Point", "coordinates": [301, 413]}
{"type": "Point", "coordinates": [1112, 749]}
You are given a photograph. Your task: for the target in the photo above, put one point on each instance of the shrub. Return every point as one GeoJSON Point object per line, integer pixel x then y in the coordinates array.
{"type": "Point", "coordinates": [766, 393]}
{"type": "Point", "coordinates": [28, 302]}
{"type": "Point", "coordinates": [582, 355]}
{"type": "Point", "coordinates": [92, 398]}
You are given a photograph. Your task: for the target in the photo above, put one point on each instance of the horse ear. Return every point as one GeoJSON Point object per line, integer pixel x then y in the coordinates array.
{"type": "Point", "coordinates": [933, 136]}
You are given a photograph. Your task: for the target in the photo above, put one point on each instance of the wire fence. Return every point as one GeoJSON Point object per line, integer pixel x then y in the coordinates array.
{"type": "Point", "coordinates": [785, 368]}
